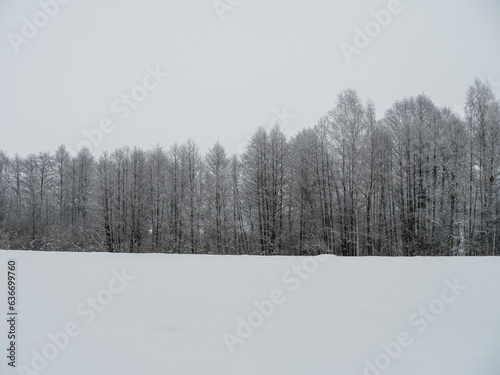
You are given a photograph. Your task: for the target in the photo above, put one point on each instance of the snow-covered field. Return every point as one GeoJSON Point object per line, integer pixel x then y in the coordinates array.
{"type": "Point", "coordinates": [90, 314]}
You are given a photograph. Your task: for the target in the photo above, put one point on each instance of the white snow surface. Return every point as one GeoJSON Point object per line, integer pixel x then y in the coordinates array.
{"type": "Point", "coordinates": [172, 317]}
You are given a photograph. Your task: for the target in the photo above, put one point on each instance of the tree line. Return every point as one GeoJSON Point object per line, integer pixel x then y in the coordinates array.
{"type": "Point", "coordinates": [421, 180]}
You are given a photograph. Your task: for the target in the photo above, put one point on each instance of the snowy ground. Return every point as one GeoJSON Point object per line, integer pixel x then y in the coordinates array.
{"type": "Point", "coordinates": [189, 315]}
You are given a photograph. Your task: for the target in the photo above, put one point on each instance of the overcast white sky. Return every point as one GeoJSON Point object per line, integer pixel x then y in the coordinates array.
{"type": "Point", "coordinates": [226, 77]}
